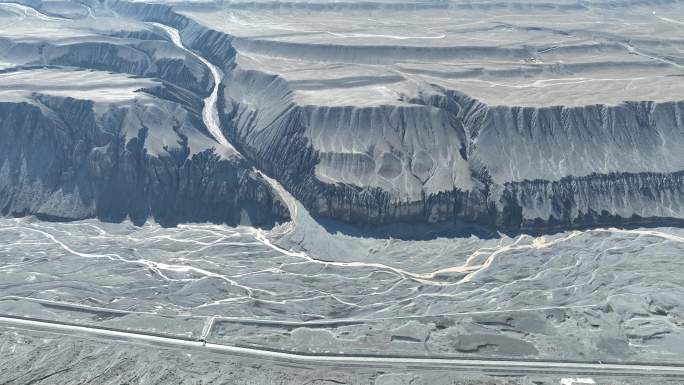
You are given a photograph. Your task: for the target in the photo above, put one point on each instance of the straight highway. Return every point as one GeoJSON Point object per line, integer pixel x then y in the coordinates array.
{"type": "Point", "coordinates": [487, 366]}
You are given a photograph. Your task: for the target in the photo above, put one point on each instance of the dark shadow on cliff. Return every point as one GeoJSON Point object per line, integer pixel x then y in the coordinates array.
{"type": "Point", "coordinates": [139, 222]}
{"type": "Point", "coordinates": [409, 231]}
{"type": "Point", "coordinates": [631, 223]}
{"type": "Point", "coordinates": [460, 229]}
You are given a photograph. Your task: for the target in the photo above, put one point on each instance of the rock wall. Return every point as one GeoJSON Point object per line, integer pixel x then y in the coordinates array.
{"type": "Point", "coordinates": [511, 167]}
{"type": "Point", "coordinates": [436, 156]}
{"type": "Point", "coordinates": [61, 160]}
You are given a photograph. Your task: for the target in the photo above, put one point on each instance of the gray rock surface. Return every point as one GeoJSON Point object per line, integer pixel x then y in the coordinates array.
{"type": "Point", "coordinates": [558, 126]}
{"type": "Point", "coordinates": [83, 139]}
{"type": "Point", "coordinates": [409, 151]}
{"type": "Point", "coordinates": [583, 126]}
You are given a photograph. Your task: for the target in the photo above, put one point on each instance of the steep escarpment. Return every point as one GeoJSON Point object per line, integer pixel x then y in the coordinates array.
{"type": "Point", "coordinates": [439, 155]}
{"type": "Point", "coordinates": [106, 120]}
{"type": "Point", "coordinates": [553, 142]}
{"type": "Point", "coordinates": [151, 59]}
{"type": "Point", "coordinates": [375, 133]}
{"type": "Point", "coordinates": [574, 166]}
{"type": "Point", "coordinates": [594, 200]}
{"type": "Point", "coordinates": [449, 156]}
{"type": "Point", "coordinates": [69, 159]}
{"type": "Point", "coordinates": [214, 46]}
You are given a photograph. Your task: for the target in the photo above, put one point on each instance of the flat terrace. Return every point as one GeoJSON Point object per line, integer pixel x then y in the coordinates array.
{"type": "Point", "coordinates": [531, 56]}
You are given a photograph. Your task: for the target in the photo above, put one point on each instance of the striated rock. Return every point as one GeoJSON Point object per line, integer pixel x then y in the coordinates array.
{"type": "Point", "coordinates": [532, 136]}
{"type": "Point", "coordinates": [68, 159]}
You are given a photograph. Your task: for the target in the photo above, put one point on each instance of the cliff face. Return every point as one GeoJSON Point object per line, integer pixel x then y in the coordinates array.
{"type": "Point", "coordinates": [83, 138]}
{"type": "Point", "coordinates": [577, 166]}
{"type": "Point", "coordinates": [593, 200]}
{"type": "Point", "coordinates": [443, 155]}
{"type": "Point", "coordinates": [63, 160]}
{"type": "Point", "coordinates": [133, 53]}
{"type": "Point", "coordinates": [453, 157]}
{"type": "Point", "coordinates": [424, 153]}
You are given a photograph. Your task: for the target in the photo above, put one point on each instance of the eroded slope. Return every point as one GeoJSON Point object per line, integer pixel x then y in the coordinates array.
{"type": "Point", "coordinates": [504, 114]}
{"type": "Point", "coordinates": [104, 116]}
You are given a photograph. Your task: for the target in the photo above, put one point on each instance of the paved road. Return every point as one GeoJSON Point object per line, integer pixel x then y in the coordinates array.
{"type": "Point", "coordinates": [470, 365]}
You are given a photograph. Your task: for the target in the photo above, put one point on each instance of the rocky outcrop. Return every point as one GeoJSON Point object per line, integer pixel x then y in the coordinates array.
{"type": "Point", "coordinates": [140, 157]}
{"type": "Point", "coordinates": [449, 156]}
{"type": "Point", "coordinates": [66, 159]}
{"type": "Point", "coordinates": [433, 155]}
{"type": "Point", "coordinates": [150, 59]}
{"type": "Point", "coordinates": [518, 168]}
